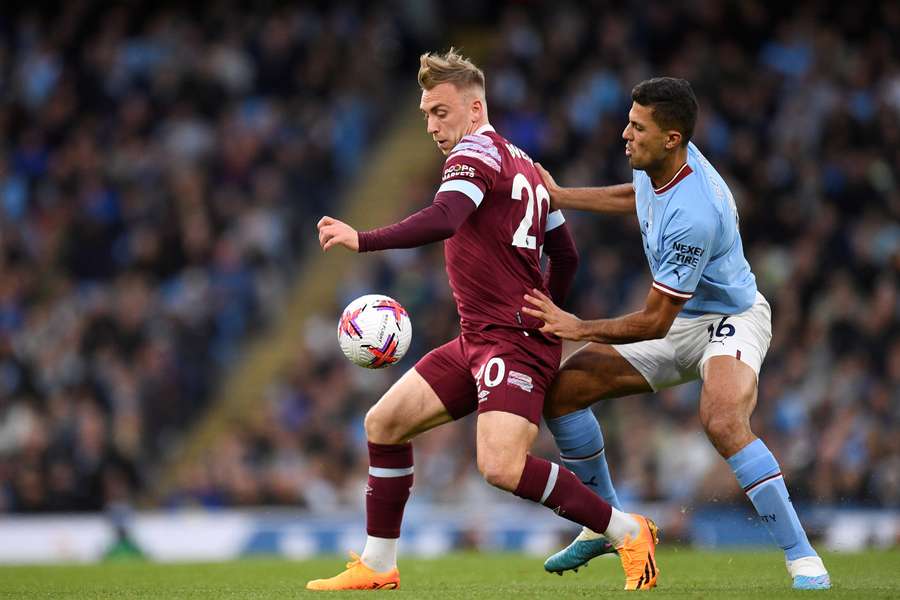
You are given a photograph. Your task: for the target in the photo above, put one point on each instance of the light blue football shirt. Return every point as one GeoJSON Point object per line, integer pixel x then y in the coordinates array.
{"type": "Point", "coordinates": [690, 232]}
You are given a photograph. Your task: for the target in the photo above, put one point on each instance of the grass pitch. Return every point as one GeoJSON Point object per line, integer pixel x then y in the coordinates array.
{"type": "Point", "coordinates": [684, 574]}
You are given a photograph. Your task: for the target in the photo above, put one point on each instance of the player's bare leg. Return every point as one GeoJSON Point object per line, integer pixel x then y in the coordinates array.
{"type": "Point", "coordinates": [726, 403]}
{"type": "Point", "coordinates": [727, 400]}
{"type": "Point", "coordinates": [590, 373]}
{"type": "Point", "coordinates": [408, 408]}
{"type": "Point", "coordinates": [503, 441]}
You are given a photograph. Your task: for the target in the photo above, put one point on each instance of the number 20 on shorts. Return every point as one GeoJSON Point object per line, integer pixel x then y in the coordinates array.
{"type": "Point", "coordinates": [493, 371]}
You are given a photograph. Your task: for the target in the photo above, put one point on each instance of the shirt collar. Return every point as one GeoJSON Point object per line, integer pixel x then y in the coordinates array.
{"type": "Point", "coordinates": [683, 172]}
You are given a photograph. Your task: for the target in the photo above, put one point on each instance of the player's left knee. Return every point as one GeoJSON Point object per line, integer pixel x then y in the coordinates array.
{"type": "Point", "coordinates": [559, 405]}
{"type": "Point", "coordinates": [501, 472]}
{"type": "Point", "coordinates": [724, 427]}
{"type": "Point", "coordinates": [727, 430]}
{"type": "Point", "coordinates": [382, 426]}
{"type": "Point", "coordinates": [569, 392]}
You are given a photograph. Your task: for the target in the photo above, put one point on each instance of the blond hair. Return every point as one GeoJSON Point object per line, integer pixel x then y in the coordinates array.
{"type": "Point", "coordinates": [451, 67]}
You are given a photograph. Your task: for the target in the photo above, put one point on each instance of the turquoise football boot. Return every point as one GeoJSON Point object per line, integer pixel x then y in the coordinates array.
{"type": "Point", "coordinates": [577, 554]}
{"type": "Point", "coordinates": [817, 582]}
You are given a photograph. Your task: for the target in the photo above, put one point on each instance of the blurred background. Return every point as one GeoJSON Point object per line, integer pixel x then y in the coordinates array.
{"type": "Point", "coordinates": [167, 321]}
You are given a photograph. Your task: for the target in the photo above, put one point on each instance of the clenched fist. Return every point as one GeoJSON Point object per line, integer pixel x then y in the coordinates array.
{"type": "Point", "coordinates": [337, 233]}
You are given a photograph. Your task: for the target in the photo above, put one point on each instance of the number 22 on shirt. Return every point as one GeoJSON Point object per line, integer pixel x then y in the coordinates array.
{"type": "Point", "coordinates": [537, 196]}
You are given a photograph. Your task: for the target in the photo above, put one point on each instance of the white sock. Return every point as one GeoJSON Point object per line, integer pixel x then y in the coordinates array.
{"type": "Point", "coordinates": [380, 554]}
{"type": "Point", "coordinates": [810, 566]}
{"type": "Point", "coordinates": [588, 534]}
{"type": "Point", "coordinates": [621, 525]}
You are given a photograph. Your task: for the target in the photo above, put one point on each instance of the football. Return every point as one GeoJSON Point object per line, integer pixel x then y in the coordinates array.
{"type": "Point", "coordinates": [374, 331]}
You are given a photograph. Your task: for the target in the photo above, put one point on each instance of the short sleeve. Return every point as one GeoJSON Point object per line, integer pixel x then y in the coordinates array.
{"type": "Point", "coordinates": [471, 168]}
{"type": "Point", "coordinates": [686, 247]}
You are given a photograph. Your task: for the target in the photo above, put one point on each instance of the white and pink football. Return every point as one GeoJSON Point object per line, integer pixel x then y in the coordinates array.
{"type": "Point", "coordinates": [374, 331]}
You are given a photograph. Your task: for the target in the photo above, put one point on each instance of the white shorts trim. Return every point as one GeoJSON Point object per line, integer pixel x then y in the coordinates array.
{"type": "Point", "coordinates": [681, 355]}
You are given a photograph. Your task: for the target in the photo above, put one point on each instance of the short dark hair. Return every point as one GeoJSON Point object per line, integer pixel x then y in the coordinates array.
{"type": "Point", "coordinates": [673, 102]}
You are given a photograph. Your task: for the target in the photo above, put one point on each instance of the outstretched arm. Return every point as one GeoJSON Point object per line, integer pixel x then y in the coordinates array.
{"type": "Point", "coordinates": [651, 323]}
{"type": "Point", "coordinates": [469, 172]}
{"type": "Point", "coordinates": [611, 199]}
{"type": "Point", "coordinates": [433, 223]}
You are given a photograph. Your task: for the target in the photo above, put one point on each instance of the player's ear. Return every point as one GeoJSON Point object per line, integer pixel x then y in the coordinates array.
{"type": "Point", "coordinates": [477, 109]}
{"type": "Point", "coordinates": [673, 139]}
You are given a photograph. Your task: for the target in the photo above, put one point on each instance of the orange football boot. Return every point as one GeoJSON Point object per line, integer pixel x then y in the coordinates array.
{"type": "Point", "coordinates": [357, 576]}
{"type": "Point", "coordinates": [638, 556]}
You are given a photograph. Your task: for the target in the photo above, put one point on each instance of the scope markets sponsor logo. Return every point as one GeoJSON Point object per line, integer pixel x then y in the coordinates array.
{"type": "Point", "coordinates": [458, 170]}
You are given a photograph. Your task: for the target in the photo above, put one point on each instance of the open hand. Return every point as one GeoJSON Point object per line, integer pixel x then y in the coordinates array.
{"type": "Point", "coordinates": [549, 183]}
{"type": "Point", "coordinates": [556, 320]}
{"type": "Point", "coordinates": [337, 233]}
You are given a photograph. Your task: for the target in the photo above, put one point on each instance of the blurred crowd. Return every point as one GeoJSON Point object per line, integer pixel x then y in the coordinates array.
{"type": "Point", "coordinates": [159, 167]}
{"type": "Point", "coordinates": [150, 219]}
{"type": "Point", "coordinates": [800, 112]}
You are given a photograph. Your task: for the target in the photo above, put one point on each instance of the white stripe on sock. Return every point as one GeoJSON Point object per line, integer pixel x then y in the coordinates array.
{"type": "Point", "coordinates": [583, 459]}
{"type": "Point", "coordinates": [382, 472]}
{"type": "Point", "coordinates": [758, 486]}
{"type": "Point", "coordinates": [551, 481]}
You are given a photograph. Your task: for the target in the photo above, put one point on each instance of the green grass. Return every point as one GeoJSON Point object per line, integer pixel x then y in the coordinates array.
{"type": "Point", "coordinates": [684, 574]}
